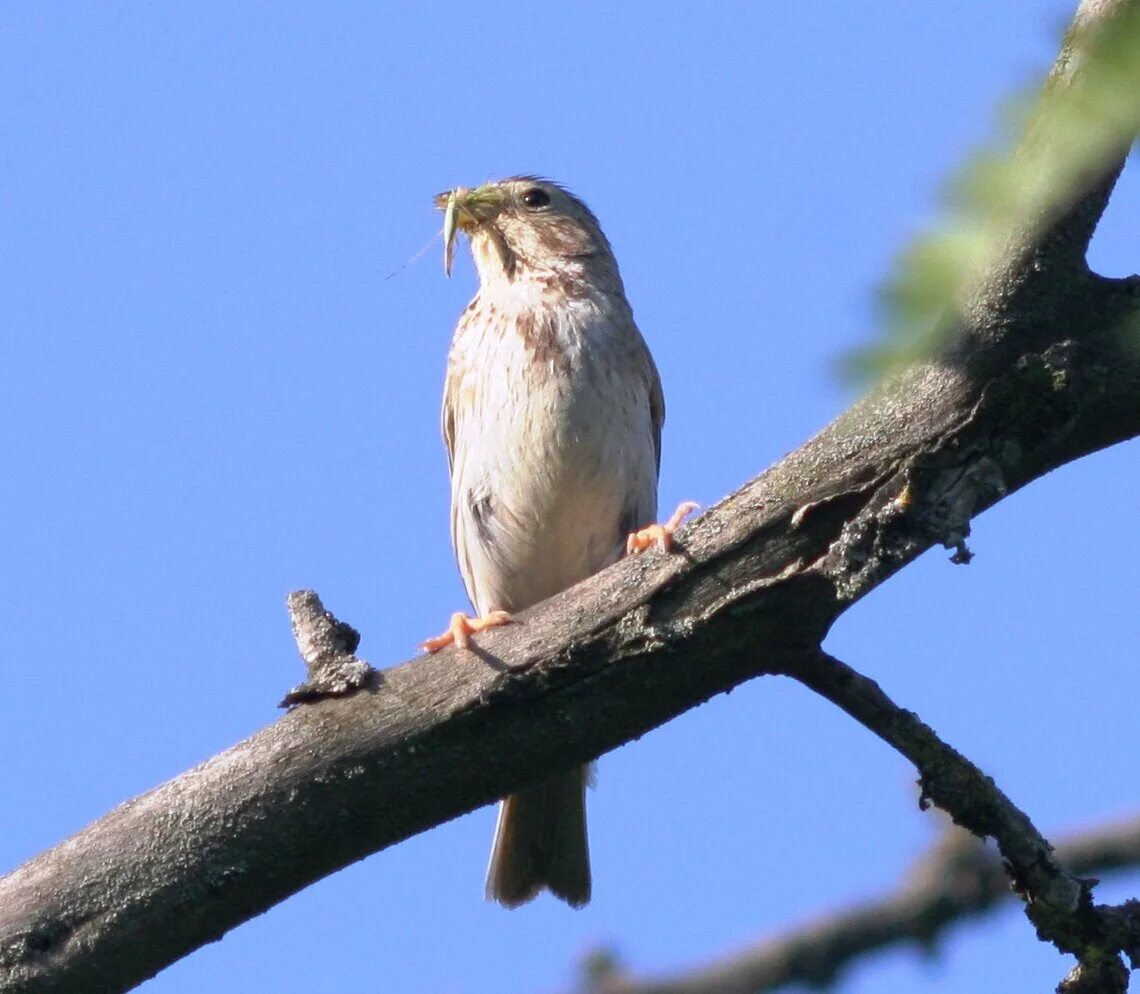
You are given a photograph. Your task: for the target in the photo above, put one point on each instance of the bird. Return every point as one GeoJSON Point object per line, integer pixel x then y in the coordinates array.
{"type": "Point", "coordinates": [552, 418]}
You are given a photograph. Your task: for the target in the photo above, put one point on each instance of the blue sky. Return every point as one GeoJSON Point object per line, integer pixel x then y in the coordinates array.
{"type": "Point", "coordinates": [214, 394]}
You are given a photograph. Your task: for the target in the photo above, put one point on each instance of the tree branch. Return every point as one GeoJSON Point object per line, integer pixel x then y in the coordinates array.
{"type": "Point", "coordinates": [1041, 372]}
{"type": "Point", "coordinates": [1057, 902]}
{"type": "Point", "coordinates": [959, 878]}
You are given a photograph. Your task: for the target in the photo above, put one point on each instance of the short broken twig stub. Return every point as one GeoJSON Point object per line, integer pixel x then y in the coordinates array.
{"type": "Point", "coordinates": [328, 646]}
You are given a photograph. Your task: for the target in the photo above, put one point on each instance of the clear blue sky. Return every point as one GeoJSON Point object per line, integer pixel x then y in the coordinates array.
{"type": "Point", "coordinates": [211, 394]}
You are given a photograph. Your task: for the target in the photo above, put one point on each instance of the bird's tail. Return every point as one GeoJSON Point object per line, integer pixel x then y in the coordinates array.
{"type": "Point", "coordinates": [540, 841]}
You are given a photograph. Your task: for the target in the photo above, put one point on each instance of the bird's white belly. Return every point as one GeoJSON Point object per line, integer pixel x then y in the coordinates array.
{"type": "Point", "coordinates": [554, 471]}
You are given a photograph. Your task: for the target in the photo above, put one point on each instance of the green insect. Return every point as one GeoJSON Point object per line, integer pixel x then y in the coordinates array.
{"type": "Point", "coordinates": [450, 216]}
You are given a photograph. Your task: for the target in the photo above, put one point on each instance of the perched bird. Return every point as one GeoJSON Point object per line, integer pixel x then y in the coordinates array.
{"type": "Point", "coordinates": [552, 414]}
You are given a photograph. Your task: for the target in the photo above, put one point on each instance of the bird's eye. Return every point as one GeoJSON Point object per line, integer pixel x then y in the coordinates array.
{"type": "Point", "coordinates": [535, 198]}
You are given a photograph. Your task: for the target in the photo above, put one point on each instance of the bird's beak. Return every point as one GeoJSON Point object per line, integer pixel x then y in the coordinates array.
{"type": "Point", "coordinates": [467, 209]}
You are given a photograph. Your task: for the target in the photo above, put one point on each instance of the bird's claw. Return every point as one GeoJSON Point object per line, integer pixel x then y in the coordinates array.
{"type": "Point", "coordinates": [462, 627]}
{"type": "Point", "coordinates": [660, 534]}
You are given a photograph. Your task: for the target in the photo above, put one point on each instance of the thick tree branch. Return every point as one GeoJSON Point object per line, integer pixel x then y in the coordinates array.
{"type": "Point", "coordinates": [759, 579]}
{"type": "Point", "coordinates": [1042, 371]}
{"type": "Point", "coordinates": [958, 879]}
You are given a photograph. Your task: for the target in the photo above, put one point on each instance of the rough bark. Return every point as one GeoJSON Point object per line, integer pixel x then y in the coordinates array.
{"type": "Point", "coordinates": [1042, 369]}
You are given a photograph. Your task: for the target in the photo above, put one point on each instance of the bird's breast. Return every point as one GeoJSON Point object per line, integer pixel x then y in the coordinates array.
{"type": "Point", "coordinates": [553, 446]}
{"type": "Point", "coordinates": [552, 391]}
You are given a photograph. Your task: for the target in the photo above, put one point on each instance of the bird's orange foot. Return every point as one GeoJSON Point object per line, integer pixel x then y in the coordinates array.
{"type": "Point", "coordinates": [662, 534]}
{"type": "Point", "coordinates": [462, 627]}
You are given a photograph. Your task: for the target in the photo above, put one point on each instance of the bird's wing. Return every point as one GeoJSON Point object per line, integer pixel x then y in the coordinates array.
{"type": "Point", "coordinates": [447, 413]}
{"type": "Point", "coordinates": [452, 390]}
{"type": "Point", "coordinates": [656, 403]}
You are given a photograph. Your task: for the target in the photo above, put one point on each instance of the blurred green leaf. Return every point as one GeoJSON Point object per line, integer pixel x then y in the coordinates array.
{"type": "Point", "coordinates": [1052, 144]}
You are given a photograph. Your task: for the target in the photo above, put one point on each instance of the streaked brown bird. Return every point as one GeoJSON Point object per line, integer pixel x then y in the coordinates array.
{"type": "Point", "coordinates": [552, 414]}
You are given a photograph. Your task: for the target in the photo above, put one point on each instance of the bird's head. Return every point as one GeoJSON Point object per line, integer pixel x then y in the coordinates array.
{"type": "Point", "coordinates": [525, 225]}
